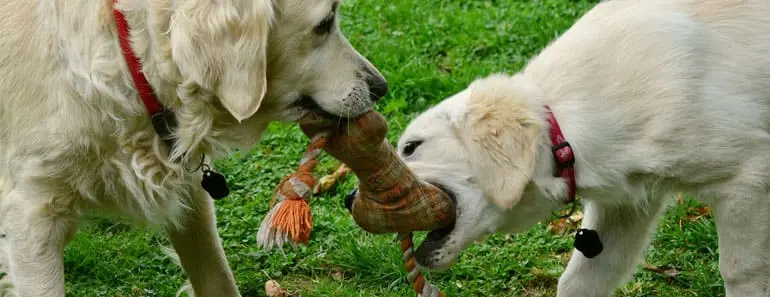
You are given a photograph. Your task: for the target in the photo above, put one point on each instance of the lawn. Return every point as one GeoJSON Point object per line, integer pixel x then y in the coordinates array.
{"type": "Point", "coordinates": [427, 49]}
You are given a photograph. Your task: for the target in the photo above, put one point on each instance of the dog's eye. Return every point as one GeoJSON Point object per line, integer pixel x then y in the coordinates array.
{"type": "Point", "coordinates": [410, 147]}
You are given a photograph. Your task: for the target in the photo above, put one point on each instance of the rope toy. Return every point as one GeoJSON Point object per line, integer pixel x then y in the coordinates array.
{"type": "Point", "coordinates": [414, 275]}
{"type": "Point", "coordinates": [290, 220]}
{"type": "Point", "coordinates": [389, 198]}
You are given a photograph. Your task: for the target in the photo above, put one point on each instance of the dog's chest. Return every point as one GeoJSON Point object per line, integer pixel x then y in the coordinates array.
{"type": "Point", "coordinates": [137, 183]}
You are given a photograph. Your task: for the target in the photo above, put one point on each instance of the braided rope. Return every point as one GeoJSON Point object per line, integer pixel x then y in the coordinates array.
{"type": "Point", "coordinates": [414, 275]}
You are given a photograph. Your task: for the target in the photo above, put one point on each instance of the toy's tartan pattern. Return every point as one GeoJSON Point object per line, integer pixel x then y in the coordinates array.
{"type": "Point", "coordinates": [390, 198]}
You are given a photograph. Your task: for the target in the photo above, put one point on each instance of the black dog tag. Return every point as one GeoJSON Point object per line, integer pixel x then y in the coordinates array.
{"type": "Point", "coordinates": [215, 184]}
{"type": "Point", "coordinates": [587, 242]}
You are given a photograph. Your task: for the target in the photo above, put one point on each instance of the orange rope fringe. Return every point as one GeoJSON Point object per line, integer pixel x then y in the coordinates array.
{"type": "Point", "coordinates": [294, 218]}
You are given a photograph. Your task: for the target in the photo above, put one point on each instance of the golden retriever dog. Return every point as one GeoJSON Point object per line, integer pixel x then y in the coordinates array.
{"type": "Point", "coordinates": [654, 98]}
{"type": "Point", "coordinates": [75, 136]}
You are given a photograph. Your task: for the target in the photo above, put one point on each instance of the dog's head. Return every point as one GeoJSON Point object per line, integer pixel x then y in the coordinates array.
{"type": "Point", "coordinates": [485, 146]}
{"type": "Point", "coordinates": [276, 57]}
{"type": "Point", "coordinates": [237, 65]}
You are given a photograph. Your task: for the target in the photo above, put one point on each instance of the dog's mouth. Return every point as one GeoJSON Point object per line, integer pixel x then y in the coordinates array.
{"type": "Point", "coordinates": [313, 111]}
{"type": "Point", "coordinates": [436, 239]}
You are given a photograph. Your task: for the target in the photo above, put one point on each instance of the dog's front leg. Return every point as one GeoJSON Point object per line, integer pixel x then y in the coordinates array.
{"type": "Point", "coordinates": [625, 232]}
{"type": "Point", "coordinates": [200, 250]}
{"type": "Point", "coordinates": [742, 216]}
{"type": "Point", "coordinates": [38, 227]}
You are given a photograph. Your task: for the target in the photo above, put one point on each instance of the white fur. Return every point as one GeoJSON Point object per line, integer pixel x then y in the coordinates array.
{"type": "Point", "coordinates": [74, 136]}
{"type": "Point", "coordinates": [655, 97]}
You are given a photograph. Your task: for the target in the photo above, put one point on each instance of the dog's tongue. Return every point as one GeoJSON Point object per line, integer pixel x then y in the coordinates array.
{"type": "Point", "coordinates": [390, 197]}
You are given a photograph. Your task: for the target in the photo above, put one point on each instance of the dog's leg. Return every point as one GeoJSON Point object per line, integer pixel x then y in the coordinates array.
{"type": "Point", "coordinates": [200, 250]}
{"type": "Point", "coordinates": [743, 222]}
{"type": "Point", "coordinates": [38, 228]}
{"type": "Point", "coordinates": [624, 232]}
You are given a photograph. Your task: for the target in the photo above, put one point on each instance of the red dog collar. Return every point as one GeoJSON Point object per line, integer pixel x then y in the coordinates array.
{"type": "Point", "coordinates": [162, 119]}
{"type": "Point", "coordinates": [562, 155]}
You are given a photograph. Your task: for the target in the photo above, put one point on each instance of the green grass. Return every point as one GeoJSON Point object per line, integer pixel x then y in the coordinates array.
{"type": "Point", "coordinates": [427, 49]}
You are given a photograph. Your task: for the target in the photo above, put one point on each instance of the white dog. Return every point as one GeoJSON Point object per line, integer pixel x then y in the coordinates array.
{"type": "Point", "coordinates": [654, 97]}
{"type": "Point", "coordinates": [75, 136]}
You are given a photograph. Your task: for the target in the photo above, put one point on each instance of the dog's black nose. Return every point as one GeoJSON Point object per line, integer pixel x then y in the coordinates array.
{"type": "Point", "coordinates": [378, 87]}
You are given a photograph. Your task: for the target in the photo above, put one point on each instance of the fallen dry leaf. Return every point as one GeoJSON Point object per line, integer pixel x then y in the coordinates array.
{"type": "Point", "coordinates": [666, 271]}
{"type": "Point", "coordinates": [562, 225]}
{"type": "Point", "coordinates": [699, 213]}
{"type": "Point", "coordinates": [558, 226]}
{"type": "Point", "coordinates": [328, 181]}
{"type": "Point", "coordinates": [273, 289]}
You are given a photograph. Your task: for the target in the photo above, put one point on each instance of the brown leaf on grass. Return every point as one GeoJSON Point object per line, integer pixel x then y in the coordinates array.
{"type": "Point", "coordinates": [694, 215]}
{"type": "Point", "coordinates": [273, 289]}
{"type": "Point", "coordinates": [558, 226]}
{"type": "Point", "coordinates": [699, 213]}
{"type": "Point", "coordinates": [666, 271]}
{"type": "Point", "coordinates": [562, 225]}
{"type": "Point", "coordinates": [328, 181]}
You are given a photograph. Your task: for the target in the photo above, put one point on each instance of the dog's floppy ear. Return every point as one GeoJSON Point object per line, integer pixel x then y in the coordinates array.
{"type": "Point", "coordinates": [501, 135]}
{"type": "Point", "coordinates": [221, 47]}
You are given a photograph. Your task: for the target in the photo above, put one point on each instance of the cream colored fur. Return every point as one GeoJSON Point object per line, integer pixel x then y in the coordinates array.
{"type": "Point", "coordinates": [655, 97]}
{"type": "Point", "coordinates": [75, 138]}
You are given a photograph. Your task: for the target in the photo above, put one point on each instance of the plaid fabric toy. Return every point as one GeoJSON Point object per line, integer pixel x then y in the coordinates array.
{"type": "Point", "coordinates": [389, 199]}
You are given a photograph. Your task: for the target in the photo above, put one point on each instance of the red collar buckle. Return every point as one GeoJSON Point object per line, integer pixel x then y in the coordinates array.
{"type": "Point", "coordinates": [563, 155]}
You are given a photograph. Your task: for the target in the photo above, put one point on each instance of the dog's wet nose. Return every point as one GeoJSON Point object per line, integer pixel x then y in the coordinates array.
{"type": "Point", "coordinates": [378, 87]}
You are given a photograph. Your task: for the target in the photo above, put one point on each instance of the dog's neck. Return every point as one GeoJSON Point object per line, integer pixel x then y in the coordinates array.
{"type": "Point", "coordinates": [546, 175]}
{"type": "Point", "coordinates": [164, 120]}
{"type": "Point", "coordinates": [584, 124]}
{"type": "Point", "coordinates": [149, 24]}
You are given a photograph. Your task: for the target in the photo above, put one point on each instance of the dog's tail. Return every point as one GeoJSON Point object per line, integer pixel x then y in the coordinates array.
{"type": "Point", "coordinates": [186, 289]}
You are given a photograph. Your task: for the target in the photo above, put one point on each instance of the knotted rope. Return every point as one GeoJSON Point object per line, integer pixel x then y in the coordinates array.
{"type": "Point", "coordinates": [414, 275]}
{"type": "Point", "coordinates": [290, 219]}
